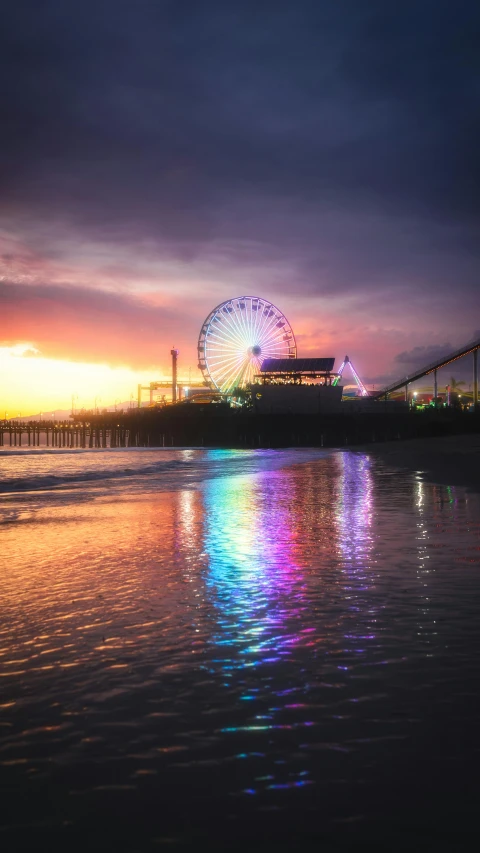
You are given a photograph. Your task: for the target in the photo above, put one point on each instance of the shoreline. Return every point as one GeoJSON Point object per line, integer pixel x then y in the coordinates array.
{"type": "Point", "coordinates": [449, 460]}
{"type": "Point", "coordinates": [452, 460]}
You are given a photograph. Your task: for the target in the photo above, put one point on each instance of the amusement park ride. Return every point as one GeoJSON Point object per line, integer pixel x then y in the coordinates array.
{"type": "Point", "coordinates": [358, 381]}
{"type": "Point", "coordinates": [240, 335]}
{"type": "Point", "coordinates": [235, 340]}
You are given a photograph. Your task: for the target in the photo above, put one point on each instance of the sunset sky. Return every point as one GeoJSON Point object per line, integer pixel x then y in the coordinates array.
{"type": "Point", "coordinates": [160, 157]}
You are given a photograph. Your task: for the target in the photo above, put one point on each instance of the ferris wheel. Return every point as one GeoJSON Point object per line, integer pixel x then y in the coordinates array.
{"type": "Point", "coordinates": [237, 336]}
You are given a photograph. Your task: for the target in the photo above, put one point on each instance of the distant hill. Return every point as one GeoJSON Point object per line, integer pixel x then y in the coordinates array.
{"type": "Point", "coordinates": [64, 414]}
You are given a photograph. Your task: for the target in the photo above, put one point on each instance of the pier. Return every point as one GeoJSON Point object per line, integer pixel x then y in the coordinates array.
{"type": "Point", "coordinates": [221, 426]}
{"type": "Point", "coordinates": [66, 435]}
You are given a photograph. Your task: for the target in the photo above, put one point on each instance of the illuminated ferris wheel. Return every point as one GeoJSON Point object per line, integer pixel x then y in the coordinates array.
{"type": "Point", "coordinates": [237, 336]}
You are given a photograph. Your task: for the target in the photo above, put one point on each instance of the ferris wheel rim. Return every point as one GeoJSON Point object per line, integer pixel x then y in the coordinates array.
{"type": "Point", "coordinates": [248, 329]}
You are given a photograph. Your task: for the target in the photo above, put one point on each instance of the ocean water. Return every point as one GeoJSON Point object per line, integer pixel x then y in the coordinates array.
{"type": "Point", "coordinates": [206, 649]}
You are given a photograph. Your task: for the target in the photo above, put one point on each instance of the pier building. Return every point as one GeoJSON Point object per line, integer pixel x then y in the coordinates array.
{"type": "Point", "coordinates": [297, 386]}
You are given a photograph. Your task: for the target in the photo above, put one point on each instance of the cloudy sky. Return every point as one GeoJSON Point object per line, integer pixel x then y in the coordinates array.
{"type": "Point", "coordinates": [160, 157]}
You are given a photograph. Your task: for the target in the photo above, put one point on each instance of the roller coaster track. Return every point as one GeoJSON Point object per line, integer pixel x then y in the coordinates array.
{"type": "Point", "coordinates": [471, 347]}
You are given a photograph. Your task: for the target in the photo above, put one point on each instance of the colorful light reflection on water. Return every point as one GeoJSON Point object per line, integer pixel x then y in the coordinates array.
{"type": "Point", "coordinates": [252, 573]}
{"type": "Point", "coordinates": [235, 636]}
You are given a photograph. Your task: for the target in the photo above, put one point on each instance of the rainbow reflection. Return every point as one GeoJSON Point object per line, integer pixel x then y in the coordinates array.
{"type": "Point", "coordinates": [355, 544]}
{"type": "Point", "coordinates": [252, 574]}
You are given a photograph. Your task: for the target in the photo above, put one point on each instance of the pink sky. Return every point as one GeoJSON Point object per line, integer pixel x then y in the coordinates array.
{"type": "Point", "coordinates": [102, 306]}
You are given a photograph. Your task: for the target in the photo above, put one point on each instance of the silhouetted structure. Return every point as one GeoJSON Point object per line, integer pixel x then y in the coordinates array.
{"type": "Point", "coordinates": [471, 347]}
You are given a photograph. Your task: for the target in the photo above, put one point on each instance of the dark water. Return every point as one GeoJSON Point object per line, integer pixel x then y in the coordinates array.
{"type": "Point", "coordinates": [249, 650]}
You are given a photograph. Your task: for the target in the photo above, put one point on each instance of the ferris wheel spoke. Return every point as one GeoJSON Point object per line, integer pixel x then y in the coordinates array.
{"type": "Point", "coordinates": [251, 317]}
{"type": "Point", "coordinates": [245, 321]}
{"type": "Point", "coordinates": [241, 321]}
{"type": "Point", "coordinates": [233, 373]}
{"type": "Point", "coordinates": [235, 341]}
{"type": "Point", "coordinates": [268, 330]}
{"type": "Point", "coordinates": [222, 351]}
{"type": "Point", "coordinates": [218, 333]}
{"type": "Point", "coordinates": [222, 348]}
{"type": "Point", "coordinates": [238, 320]}
{"type": "Point", "coordinates": [277, 334]}
{"type": "Point", "coordinates": [223, 336]}
{"type": "Point", "coordinates": [264, 321]}
{"type": "Point", "coordinates": [277, 347]}
{"type": "Point", "coordinates": [257, 319]}
{"type": "Point", "coordinates": [226, 323]}
{"type": "Point", "coordinates": [249, 371]}
{"type": "Point", "coordinates": [224, 364]}
{"type": "Point", "coordinates": [221, 372]}
{"type": "Point", "coordinates": [275, 343]}
{"type": "Point", "coordinates": [272, 345]}
{"type": "Point", "coordinates": [222, 317]}
{"type": "Point", "coordinates": [271, 329]}
{"type": "Point", "coordinates": [275, 352]}
{"type": "Point", "coordinates": [236, 377]}
{"type": "Point", "coordinates": [227, 330]}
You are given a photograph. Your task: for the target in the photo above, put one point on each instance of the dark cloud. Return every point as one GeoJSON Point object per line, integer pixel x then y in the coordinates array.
{"type": "Point", "coordinates": [339, 137]}
{"type": "Point", "coordinates": [420, 356]}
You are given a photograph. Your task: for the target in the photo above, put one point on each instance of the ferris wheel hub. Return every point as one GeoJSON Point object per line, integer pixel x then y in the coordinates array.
{"type": "Point", "coordinates": [255, 350]}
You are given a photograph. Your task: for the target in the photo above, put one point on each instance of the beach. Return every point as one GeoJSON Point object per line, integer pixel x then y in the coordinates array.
{"type": "Point", "coordinates": [238, 649]}
{"type": "Point", "coordinates": [450, 460]}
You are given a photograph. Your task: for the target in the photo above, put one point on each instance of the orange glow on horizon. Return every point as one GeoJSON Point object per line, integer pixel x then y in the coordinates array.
{"type": "Point", "coordinates": [32, 384]}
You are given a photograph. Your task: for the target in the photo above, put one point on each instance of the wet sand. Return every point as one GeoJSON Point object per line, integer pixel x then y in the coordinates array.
{"type": "Point", "coordinates": [451, 460]}
{"type": "Point", "coordinates": [253, 651]}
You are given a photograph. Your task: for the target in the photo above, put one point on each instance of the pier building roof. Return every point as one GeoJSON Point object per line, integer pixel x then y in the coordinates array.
{"type": "Point", "coordinates": [297, 365]}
